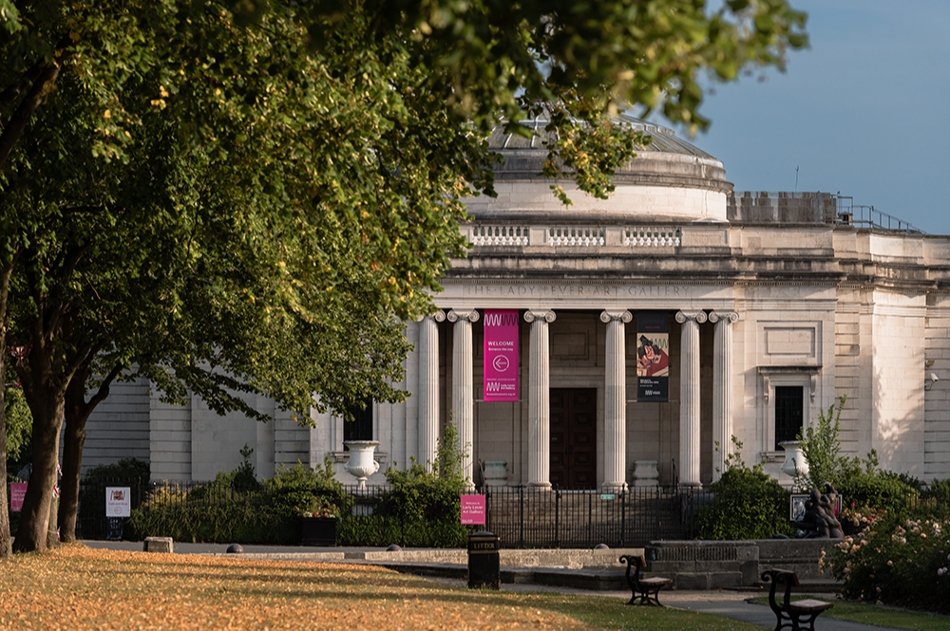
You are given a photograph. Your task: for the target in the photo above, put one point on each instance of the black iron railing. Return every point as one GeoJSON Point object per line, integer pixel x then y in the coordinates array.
{"type": "Point", "coordinates": [541, 518]}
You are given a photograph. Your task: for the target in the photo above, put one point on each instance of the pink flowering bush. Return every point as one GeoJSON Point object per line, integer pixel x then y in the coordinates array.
{"type": "Point", "coordinates": [902, 562]}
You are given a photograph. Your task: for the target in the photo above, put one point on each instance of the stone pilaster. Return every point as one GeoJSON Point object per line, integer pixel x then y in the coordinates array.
{"type": "Point", "coordinates": [428, 392]}
{"type": "Point", "coordinates": [463, 393]}
{"type": "Point", "coordinates": [615, 401]}
{"type": "Point", "coordinates": [539, 399]}
{"type": "Point", "coordinates": [689, 452]}
{"type": "Point", "coordinates": [722, 389]}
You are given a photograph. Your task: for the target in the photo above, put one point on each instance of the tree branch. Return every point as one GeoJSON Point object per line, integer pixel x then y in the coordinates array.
{"type": "Point", "coordinates": [13, 131]}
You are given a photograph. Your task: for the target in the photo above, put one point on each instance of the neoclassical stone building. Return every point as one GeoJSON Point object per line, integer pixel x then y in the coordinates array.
{"type": "Point", "coordinates": [648, 328]}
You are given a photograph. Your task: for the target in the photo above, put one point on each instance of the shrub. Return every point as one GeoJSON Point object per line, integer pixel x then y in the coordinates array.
{"type": "Point", "coordinates": [424, 505]}
{"type": "Point", "coordinates": [860, 482]}
{"type": "Point", "coordinates": [748, 504]}
{"type": "Point", "coordinates": [895, 561]}
{"type": "Point", "coordinates": [863, 483]}
{"type": "Point", "coordinates": [129, 472]}
{"type": "Point", "coordinates": [233, 507]}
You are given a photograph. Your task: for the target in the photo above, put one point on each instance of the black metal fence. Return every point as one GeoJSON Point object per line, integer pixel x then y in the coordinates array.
{"type": "Point", "coordinates": [539, 518]}
{"type": "Point", "coordinates": [523, 517]}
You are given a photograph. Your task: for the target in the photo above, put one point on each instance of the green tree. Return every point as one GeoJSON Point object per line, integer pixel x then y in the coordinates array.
{"type": "Point", "coordinates": [822, 449]}
{"type": "Point", "coordinates": [230, 198]}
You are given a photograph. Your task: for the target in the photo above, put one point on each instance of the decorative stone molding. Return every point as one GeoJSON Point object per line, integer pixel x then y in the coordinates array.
{"type": "Point", "coordinates": [438, 316]}
{"type": "Point", "coordinates": [546, 315]}
{"type": "Point", "coordinates": [470, 315]}
{"type": "Point", "coordinates": [812, 371]}
{"type": "Point", "coordinates": [652, 237]}
{"type": "Point", "coordinates": [699, 316]}
{"type": "Point", "coordinates": [607, 316]}
{"type": "Point", "coordinates": [729, 316]}
{"type": "Point", "coordinates": [577, 236]}
{"type": "Point", "coordinates": [500, 235]}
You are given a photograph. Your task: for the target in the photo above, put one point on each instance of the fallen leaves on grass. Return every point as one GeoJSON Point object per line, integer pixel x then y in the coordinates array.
{"type": "Point", "coordinates": [74, 587]}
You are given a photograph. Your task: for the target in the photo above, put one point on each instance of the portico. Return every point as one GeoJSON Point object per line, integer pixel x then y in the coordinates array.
{"type": "Point", "coordinates": [578, 342]}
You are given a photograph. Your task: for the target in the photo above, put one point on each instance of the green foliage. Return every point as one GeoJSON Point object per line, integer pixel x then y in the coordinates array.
{"type": "Point", "coordinates": [936, 498]}
{"type": "Point", "coordinates": [245, 477]}
{"type": "Point", "coordinates": [213, 514]}
{"type": "Point", "coordinates": [130, 472]}
{"type": "Point", "coordinates": [232, 196]}
{"type": "Point", "coordinates": [863, 483]}
{"type": "Point", "coordinates": [748, 504]}
{"type": "Point", "coordinates": [425, 504]}
{"type": "Point", "coordinates": [19, 424]}
{"type": "Point", "coordinates": [860, 482]}
{"type": "Point", "coordinates": [821, 448]}
{"type": "Point", "coordinates": [896, 561]}
{"type": "Point", "coordinates": [300, 490]}
{"type": "Point", "coordinates": [126, 470]}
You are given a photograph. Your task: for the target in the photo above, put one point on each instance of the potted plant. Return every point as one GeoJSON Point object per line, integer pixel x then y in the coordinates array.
{"type": "Point", "coordinates": [318, 523]}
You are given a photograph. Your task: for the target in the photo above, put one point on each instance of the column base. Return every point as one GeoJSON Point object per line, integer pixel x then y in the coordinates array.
{"type": "Point", "coordinates": [544, 486]}
{"type": "Point", "coordinates": [614, 487]}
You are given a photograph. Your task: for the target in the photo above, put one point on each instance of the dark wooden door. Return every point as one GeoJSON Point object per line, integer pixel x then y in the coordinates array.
{"type": "Point", "coordinates": [574, 438]}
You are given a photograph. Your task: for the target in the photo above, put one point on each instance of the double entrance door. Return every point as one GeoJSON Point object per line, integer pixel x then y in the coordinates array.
{"type": "Point", "coordinates": [573, 438]}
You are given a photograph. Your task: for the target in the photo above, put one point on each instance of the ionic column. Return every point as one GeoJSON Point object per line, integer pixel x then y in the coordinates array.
{"type": "Point", "coordinates": [428, 389]}
{"type": "Point", "coordinates": [463, 392]}
{"type": "Point", "coordinates": [615, 401]}
{"type": "Point", "coordinates": [689, 397]}
{"type": "Point", "coordinates": [539, 400]}
{"type": "Point", "coordinates": [722, 389]}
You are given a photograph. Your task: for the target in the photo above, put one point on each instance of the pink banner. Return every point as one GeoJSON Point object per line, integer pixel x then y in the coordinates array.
{"type": "Point", "coordinates": [17, 493]}
{"type": "Point", "coordinates": [473, 510]}
{"type": "Point", "coordinates": [501, 355]}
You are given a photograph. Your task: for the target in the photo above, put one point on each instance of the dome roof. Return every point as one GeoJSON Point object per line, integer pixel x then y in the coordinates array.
{"type": "Point", "coordinates": [667, 161]}
{"type": "Point", "coordinates": [669, 180]}
{"type": "Point", "coordinates": [664, 139]}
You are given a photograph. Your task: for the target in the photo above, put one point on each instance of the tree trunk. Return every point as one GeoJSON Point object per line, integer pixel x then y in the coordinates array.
{"type": "Point", "coordinates": [74, 438]}
{"type": "Point", "coordinates": [47, 408]}
{"type": "Point", "coordinates": [5, 539]}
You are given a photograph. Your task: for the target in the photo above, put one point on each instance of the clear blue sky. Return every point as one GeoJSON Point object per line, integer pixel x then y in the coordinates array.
{"type": "Point", "coordinates": [864, 111]}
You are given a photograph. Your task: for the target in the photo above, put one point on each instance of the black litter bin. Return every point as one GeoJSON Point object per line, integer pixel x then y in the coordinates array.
{"type": "Point", "coordinates": [484, 565]}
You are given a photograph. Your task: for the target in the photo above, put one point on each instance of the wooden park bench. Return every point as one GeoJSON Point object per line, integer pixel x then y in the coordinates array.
{"type": "Point", "coordinates": [645, 590]}
{"type": "Point", "coordinates": [796, 615]}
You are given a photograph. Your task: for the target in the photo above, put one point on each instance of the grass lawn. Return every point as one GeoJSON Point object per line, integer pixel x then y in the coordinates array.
{"type": "Point", "coordinates": [75, 587]}
{"type": "Point", "coordinates": [881, 616]}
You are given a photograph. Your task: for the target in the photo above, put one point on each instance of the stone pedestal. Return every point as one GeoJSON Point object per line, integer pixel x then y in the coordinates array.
{"type": "Point", "coordinates": [158, 544]}
{"type": "Point", "coordinates": [495, 472]}
{"type": "Point", "coordinates": [645, 473]}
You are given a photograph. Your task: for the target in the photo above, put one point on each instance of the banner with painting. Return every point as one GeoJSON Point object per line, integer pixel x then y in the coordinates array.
{"type": "Point", "coordinates": [653, 356]}
{"type": "Point", "coordinates": [501, 355]}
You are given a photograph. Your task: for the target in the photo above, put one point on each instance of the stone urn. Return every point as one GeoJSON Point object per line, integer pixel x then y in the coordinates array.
{"type": "Point", "coordinates": [361, 463]}
{"type": "Point", "coordinates": [495, 472]}
{"type": "Point", "coordinates": [795, 464]}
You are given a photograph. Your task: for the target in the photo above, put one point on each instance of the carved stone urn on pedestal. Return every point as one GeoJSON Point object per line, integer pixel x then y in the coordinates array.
{"type": "Point", "coordinates": [361, 463]}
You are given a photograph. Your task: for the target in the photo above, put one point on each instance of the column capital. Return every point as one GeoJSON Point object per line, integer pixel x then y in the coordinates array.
{"type": "Point", "coordinates": [471, 315]}
{"type": "Point", "coordinates": [698, 316]}
{"type": "Point", "coordinates": [546, 315]}
{"type": "Point", "coordinates": [608, 314]}
{"type": "Point", "coordinates": [728, 317]}
{"type": "Point", "coordinates": [438, 316]}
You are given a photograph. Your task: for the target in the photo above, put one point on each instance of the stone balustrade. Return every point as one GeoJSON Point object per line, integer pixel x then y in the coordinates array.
{"type": "Point", "coordinates": [494, 235]}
